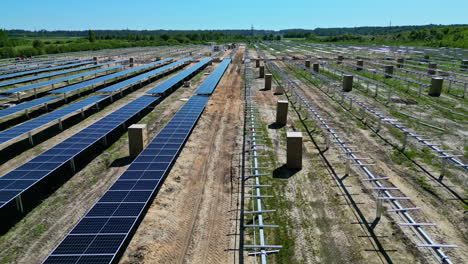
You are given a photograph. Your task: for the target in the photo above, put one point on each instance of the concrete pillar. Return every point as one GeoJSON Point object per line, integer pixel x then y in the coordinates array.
{"type": "Point", "coordinates": [279, 90]}
{"type": "Point", "coordinates": [187, 84]}
{"type": "Point", "coordinates": [268, 78]}
{"type": "Point", "coordinates": [158, 58]}
{"type": "Point", "coordinates": [388, 70]}
{"type": "Point", "coordinates": [400, 62]}
{"type": "Point", "coordinates": [281, 112]}
{"type": "Point", "coordinates": [464, 65]}
{"type": "Point", "coordinates": [131, 62]}
{"type": "Point", "coordinates": [294, 150]}
{"type": "Point", "coordinates": [340, 59]}
{"type": "Point", "coordinates": [137, 139]}
{"type": "Point", "coordinates": [307, 63]}
{"type": "Point", "coordinates": [360, 64]}
{"type": "Point", "coordinates": [95, 60]}
{"type": "Point", "coordinates": [426, 58]}
{"type": "Point", "coordinates": [431, 68]}
{"type": "Point", "coordinates": [347, 83]}
{"type": "Point", "coordinates": [262, 71]}
{"type": "Point", "coordinates": [257, 63]}
{"type": "Point", "coordinates": [436, 86]}
{"type": "Point", "coordinates": [315, 67]}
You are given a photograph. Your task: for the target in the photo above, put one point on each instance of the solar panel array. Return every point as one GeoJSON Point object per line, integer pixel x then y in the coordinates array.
{"type": "Point", "coordinates": [22, 178]}
{"type": "Point", "coordinates": [37, 66]}
{"type": "Point", "coordinates": [45, 119]}
{"type": "Point", "coordinates": [81, 85]}
{"type": "Point", "coordinates": [21, 107]}
{"type": "Point", "coordinates": [48, 75]}
{"type": "Point", "coordinates": [16, 74]}
{"type": "Point", "coordinates": [100, 234]}
{"type": "Point", "coordinates": [58, 80]}
{"type": "Point", "coordinates": [208, 86]}
{"type": "Point", "coordinates": [143, 76]}
{"type": "Point", "coordinates": [161, 88]}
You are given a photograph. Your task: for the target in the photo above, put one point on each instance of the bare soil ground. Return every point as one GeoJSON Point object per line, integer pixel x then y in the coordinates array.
{"type": "Point", "coordinates": [192, 218]}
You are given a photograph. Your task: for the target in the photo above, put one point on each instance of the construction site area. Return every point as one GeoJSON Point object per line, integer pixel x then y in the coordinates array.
{"type": "Point", "coordinates": [260, 152]}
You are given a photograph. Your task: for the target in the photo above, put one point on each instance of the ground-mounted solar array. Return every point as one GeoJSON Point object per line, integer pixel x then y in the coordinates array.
{"type": "Point", "coordinates": [119, 74]}
{"type": "Point", "coordinates": [140, 77]}
{"type": "Point", "coordinates": [166, 85]}
{"type": "Point", "coordinates": [17, 74]}
{"type": "Point", "coordinates": [20, 179]}
{"type": "Point", "coordinates": [48, 75]}
{"type": "Point", "coordinates": [99, 235]}
{"type": "Point", "coordinates": [209, 85]}
{"type": "Point", "coordinates": [36, 123]}
{"type": "Point", "coordinates": [27, 105]}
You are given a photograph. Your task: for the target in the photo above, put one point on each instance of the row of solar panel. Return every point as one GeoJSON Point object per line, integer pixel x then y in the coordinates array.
{"type": "Point", "coordinates": [29, 126]}
{"type": "Point", "coordinates": [38, 66]}
{"type": "Point", "coordinates": [45, 119]}
{"type": "Point", "coordinates": [17, 181]}
{"type": "Point", "coordinates": [119, 74]}
{"type": "Point", "coordinates": [28, 105]}
{"type": "Point", "coordinates": [100, 234]}
{"type": "Point", "coordinates": [59, 80]}
{"type": "Point", "coordinates": [17, 74]}
{"type": "Point", "coordinates": [51, 74]}
{"type": "Point", "coordinates": [163, 87]}
{"type": "Point", "coordinates": [143, 76]}
{"type": "Point", "coordinates": [29, 62]}
{"type": "Point", "coordinates": [208, 86]}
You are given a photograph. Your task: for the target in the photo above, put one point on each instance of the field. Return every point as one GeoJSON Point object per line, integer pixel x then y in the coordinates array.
{"type": "Point", "coordinates": [383, 153]}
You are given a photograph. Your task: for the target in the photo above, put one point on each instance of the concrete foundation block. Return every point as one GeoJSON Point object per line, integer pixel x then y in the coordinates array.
{"type": "Point", "coordinates": [294, 150]}
{"type": "Point", "coordinates": [261, 72]}
{"type": "Point", "coordinates": [268, 79]}
{"type": "Point", "coordinates": [281, 112]}
{"type": "Point", "coordinates": [388, 71]}
{"type": "Point", "coordinates": [436, 86]}
{"type": "Point", "coordinates": [348, 83]}
{"type": "Point", "coordinates": [400, 62]}
{"type": "Point", "coordinates": [431, 68]}
{"type": "Point", "coordinates": [307, 63]}
{"type": "Point", "coordinates": [137, 139]}
{"type": "Point", "coordinates": [359, 64]}
{"type": "Point", "coordinates": [315, 67]}
{"type": "Point", "coordinates": [257, 63]}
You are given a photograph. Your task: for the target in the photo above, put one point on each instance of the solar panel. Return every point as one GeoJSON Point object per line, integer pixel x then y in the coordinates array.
{"type": "Point", "coordinates": [163, 87]}
{"type": "Point", "coordinates": [16, 74]}
{"type": "Point", "coordinates": [143, 76]}
{"type": "Point", "coordinates": [48, 75]}
{"type": "Point", "coordinates": [101, 233]}
{"type": "Point", "coordinates": [208, 86]}
{"type": "Point", "coordinates": [84, 84]}
{"type": "Point", "coordinates": [59, 80]}
{"type": "Point", "coordinates": [19, 180]}
{"type": "Point", "coordinates": [45, 119]}
{"type": "Point", "coordinates": [20, 107]}
{"type": "Point", "coordinates": [37, 66]}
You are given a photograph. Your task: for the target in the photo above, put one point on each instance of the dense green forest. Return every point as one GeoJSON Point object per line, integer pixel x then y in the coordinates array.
{"type": "Point", "coordinates": [15, 43]}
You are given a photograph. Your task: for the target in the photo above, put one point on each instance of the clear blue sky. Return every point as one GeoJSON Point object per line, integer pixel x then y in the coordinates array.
{"type": "Point", "coordinates": [223, 14]}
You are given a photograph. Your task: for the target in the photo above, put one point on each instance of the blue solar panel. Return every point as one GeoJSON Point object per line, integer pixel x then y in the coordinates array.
{"type": "Point", "coordinates": [59, 80]}
{"type": "Point", "coordinates": [37, 65]}
{"type": "Point", "coordinates": [208, 86]}
{"type": "Point", "coordinates": [106, 226]}
{"type": "Point", "coordinates": [47, 75]}
{"type": "Point", "coordinates": [17, 181]}
{"type": "Point", "coordinates": [84, 84]}
{"type": "Point", "coordinates": [16, 74]}
{"type": "Point", "coordinates": [163, 87]}
{"type": "Point", "coordinates": [45, 119]}
{"type": "Point", "coordinates": [140, 77]}
{"type": "Point", "coordinates": [20, 107]}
